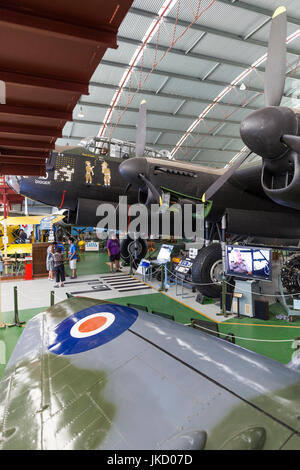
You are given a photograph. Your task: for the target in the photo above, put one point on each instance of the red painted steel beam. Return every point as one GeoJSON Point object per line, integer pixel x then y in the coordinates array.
{"type": "Point", "coordinates": [58, 27]}
{"type": "Point", "coordinates": [42, 81]}
{"type": "Point", "coordinates": [35, 112]}
{"type": "Point", "coordinates": [33, 130]}
{"type": "Point", "coordinates": [23, 153]}
{"type": "Point", "coordinates": [20, 161]}
{"type": "Point", "coordinates": [30, 144]}
{"type": "Point", "coordinates": [24, 170]}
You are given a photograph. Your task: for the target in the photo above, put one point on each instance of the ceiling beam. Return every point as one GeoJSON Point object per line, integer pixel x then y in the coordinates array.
{"type": "Point", "coordinates": [35, 112]}
{"type": "Point", "coordinates": [20, 161]}
{"type": "Point", "coordinates": [25, 170]}
{"type": "Point", "coordinates": [181, 76]}
{"type": "Point", "coordinates": [208, 58]}
{"type": "Point", "coordinates": [257, 9]}
{"type": "Point", "coordinates": [59, 27]}
{"type": "Point", "coordinates": [23, 153]}
{"type": "Point", "coordinates": [206, 29]}
{"type": "Point", "coordinates": [30, 144]}
{"type": "Point", "coordinates": [170, 96]}
{"type": "Point", "coordinates": [33, 130]}
{"type": "Point", "coordinates": [154, 129]}
{"type": "Point", "coordinates": [161, 113]}
{"type": "Point", "coordinates": [42, 81]}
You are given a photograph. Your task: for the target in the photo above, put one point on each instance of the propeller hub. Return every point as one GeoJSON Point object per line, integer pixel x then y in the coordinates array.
{"type": "Point", "coordinates": [131, 169]}
{"type": "Point", "coordinates": [263, 129]}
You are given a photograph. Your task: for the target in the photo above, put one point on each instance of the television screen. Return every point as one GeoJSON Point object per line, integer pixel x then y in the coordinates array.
{"type": "Point", "coordinates": [164, 254]}
{"type": "Point", "coordinates": [249, 262]}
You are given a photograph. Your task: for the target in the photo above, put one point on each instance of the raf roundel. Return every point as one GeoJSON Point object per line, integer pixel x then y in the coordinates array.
{"type": "Point", "coordinates": [91, 328]}
{"type": "Point", "coordinates": [92, 325]}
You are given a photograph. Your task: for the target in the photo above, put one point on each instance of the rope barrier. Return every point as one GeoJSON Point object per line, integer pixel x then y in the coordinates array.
{"type": "Point", "coordinates": [246, 339]}
{"type": "Point", "coordinates": [30, 298]}
{"type": "Point", "coordinates": [232, 285]}
{"type": "Point", "coordinates": [267, 295]}
{"type": "Point", "coordinates": [189, 324]}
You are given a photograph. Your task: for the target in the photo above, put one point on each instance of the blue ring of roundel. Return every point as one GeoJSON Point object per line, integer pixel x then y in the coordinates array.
{"type": "Point", "coordinates": [64, 344]}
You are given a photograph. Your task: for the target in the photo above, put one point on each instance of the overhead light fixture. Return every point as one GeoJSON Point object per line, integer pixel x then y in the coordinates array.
{"type": "Point", "coordinates": [243, 86]}
{"type": "Point", "coordinates": [81, 113]}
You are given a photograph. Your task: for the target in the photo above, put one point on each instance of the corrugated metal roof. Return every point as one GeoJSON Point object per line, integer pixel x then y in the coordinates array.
{"type": "Point", "coordinates": [204, 59]}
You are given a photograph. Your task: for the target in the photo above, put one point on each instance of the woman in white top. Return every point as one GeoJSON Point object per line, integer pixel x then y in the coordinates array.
{"type": "Point", "coordinates": [50, 260]}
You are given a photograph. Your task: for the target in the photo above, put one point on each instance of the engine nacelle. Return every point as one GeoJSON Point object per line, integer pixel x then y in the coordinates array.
{"type": "Point", "coordinates": [281, 225]}
{"type": "Point", "coordinates": [282, 185]}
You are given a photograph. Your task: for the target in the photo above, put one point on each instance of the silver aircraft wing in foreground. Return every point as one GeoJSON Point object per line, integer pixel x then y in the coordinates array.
{"type": "Point", "coordinates": [90, 375]}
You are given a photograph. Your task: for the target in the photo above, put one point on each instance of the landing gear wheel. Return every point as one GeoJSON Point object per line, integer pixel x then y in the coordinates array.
{"type": "Point", "coordinates": [208, 268]}
{"type": "Point", "coordinates": [135, 249]}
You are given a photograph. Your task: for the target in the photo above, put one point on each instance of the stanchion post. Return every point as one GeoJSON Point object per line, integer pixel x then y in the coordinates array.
{"type": "Point", "coordinates": [16, 302]}
{"type": "Point", "coordinates": [162, 277]}
{"type": "Point", "coordinates": [52, 298]}
{"type": "Point", "coordinates": [223, 244]}
{"type": "Point", "coordinates": [16, 310]}
{"type": "Point", "coordinates": [2, 325]}
{"type": "Point", "coordinates": [131, 266]}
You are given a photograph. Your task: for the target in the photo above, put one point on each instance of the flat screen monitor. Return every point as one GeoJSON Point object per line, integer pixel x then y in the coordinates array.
{"type": "Point", "coordinates": [249, 262]}
{"type": "Point", "coordinates": [164, 254]}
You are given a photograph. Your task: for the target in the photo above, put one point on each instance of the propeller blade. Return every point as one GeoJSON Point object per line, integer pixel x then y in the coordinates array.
{"type": "Point", "coordinates": [124, 194]}
{"type": "Point", "coordinates": [222, 179]}
{"type": "Point", "coordinates": [141, 130]}
{"type": "Point", "coordinates": [276, 61]}
{"type": "Point", "coordinates": [127, 189]}
{"type": "Point", "coordinates": [292, 141]}
{"type": "Point", "coordinates": [152, 188]}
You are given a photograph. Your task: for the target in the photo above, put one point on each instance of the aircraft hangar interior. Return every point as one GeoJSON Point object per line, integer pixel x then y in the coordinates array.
{"type": "Point", "coordinates": [150, 227]}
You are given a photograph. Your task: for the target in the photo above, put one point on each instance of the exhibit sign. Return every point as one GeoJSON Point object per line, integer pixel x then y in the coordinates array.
{"type": "Point", "coordinates": [92, 246]}
{"type": "Point", "coordinates": [47, 222]}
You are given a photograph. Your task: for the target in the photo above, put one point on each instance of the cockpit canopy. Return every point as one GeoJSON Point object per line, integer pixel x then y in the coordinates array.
{"type": "Point", "coordinates": [118, 148]}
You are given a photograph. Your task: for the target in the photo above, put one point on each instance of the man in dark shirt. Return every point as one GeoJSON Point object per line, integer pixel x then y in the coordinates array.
{"type": "Point", "coordinates": [59, 268]}
{"type": "Point", "coordinates": [239, 265]}
{"type": "Point", "coordinates": [113, 248]}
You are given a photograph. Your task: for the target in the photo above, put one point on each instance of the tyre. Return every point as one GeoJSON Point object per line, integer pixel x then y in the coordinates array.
{"type": "Point", "coordinates": [208, 268]}
{"type": "Point", "coordinates": [136, 249]}
{"type": "Point", "coordinates": [290, 275]}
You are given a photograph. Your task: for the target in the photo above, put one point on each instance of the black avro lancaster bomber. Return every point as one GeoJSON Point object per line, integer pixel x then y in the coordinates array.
{"type": "Point", "coordinates": [260, 201]}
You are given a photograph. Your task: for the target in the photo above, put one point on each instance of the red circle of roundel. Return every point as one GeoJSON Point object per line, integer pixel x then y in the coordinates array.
{"type": "Point", "coordinates": [91, 328]}
{"type": "Point", "coordinates": [92, 324]}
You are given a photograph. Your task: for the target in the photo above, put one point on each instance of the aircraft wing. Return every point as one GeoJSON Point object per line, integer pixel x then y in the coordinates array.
{"type": "Point", "coordinates": [19, 248]}
{"type": "Point", "coordinates": [95, 375]}
{"type": "Point", "coordinates": [32, 219]}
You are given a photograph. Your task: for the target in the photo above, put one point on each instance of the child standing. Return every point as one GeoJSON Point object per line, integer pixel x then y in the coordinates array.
{"type": "Point", "coordinates": [59, 268]}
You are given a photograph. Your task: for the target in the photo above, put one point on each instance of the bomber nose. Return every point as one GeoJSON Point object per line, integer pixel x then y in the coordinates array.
{"type": "Point", "coordinates": [13, 182]}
